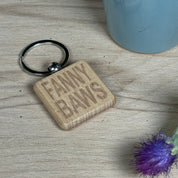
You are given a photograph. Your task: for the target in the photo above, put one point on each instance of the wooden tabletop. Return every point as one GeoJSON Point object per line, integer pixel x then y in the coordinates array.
{"type": "Point", "coordinates": [145, 86]}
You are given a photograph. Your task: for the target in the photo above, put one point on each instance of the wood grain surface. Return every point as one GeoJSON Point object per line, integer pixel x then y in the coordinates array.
{"type": "Point", "coordinates": [146, 89]}
{"type": "Point", "coordinates": [74, 94]}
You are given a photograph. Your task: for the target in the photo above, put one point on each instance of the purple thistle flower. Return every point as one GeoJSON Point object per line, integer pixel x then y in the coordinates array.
{"type": "Point", "coordinates": [154, 157]}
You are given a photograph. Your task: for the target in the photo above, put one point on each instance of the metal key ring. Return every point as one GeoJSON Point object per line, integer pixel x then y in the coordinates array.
{"type": "Point", "coordinates": [53, 67]}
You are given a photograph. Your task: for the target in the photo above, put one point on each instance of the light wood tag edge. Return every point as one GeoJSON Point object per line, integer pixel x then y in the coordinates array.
{"type": "Point", "coordinates": [91, 114]}
{"type": "Point", "coordinates": [80, 120]}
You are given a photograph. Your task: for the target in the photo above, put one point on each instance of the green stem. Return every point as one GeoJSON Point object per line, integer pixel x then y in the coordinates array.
{"type": "Point", "coordinates": [174, 140]}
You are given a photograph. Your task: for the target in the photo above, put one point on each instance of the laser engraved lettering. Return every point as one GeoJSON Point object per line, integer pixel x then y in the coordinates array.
{"type": "Point", "coordinates": [85, 95]}
{"type": "Point", "coordinates": [82, 70]}
{"type": "Point", "coordinates": [76, 103]}
{"type": "Point", "coordinates": [58, 87]}
{"type": "Point", "coordinates": [74, 94]}
{"type": "Point", "coordinates": [97, 88]}
{"type": "Point", "coordinates": [76, 78]}
{"type": "Point", "coordinates": [66, 81]}
{"type": "Point", "coordinates": [48, 90]}
{"type": "Point", "coordinates": [64, 109]}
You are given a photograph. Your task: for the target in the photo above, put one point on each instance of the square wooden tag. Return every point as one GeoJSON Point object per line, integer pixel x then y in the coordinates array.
{"type": "Point", "coordinates": [74, 94]}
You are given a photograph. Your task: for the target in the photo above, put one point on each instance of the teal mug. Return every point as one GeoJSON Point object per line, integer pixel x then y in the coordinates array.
{"type": "Point", "coordinates": [145, 26]}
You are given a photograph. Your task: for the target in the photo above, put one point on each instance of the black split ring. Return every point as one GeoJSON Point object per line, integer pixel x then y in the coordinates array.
{"type": "Point", "coordinates": [54, 67]}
